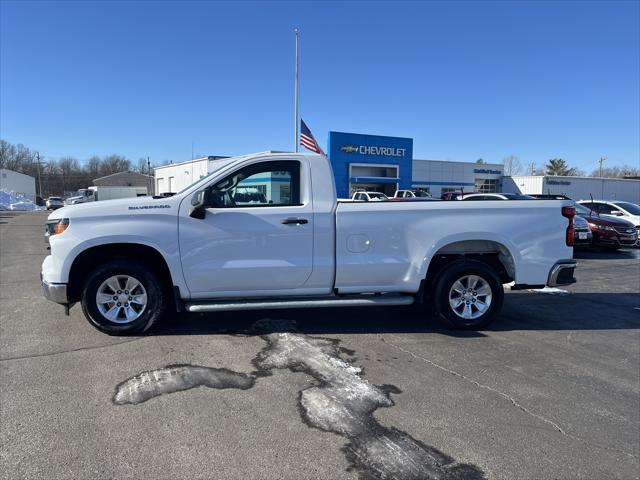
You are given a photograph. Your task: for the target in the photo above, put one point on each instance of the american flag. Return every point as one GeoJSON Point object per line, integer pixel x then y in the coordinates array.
{"type": "Point", "coordinates": [307, 140]}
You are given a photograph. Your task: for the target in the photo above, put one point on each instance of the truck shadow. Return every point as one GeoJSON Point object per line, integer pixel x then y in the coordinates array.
{"type": "Point", "coordinates": [622, 254]}
{"type": "Point", "coordinates": [521, 311]}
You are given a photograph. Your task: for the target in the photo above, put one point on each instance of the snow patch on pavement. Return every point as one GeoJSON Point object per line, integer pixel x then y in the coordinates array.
{"type": "Point", "coordinates": [552, 291]}
{"type": "Point", "coordinates": [17, 202]}
{"type": "Point", "coordinates": [344, 403]}
{"type": "Point", "coordinates": [176, 378]}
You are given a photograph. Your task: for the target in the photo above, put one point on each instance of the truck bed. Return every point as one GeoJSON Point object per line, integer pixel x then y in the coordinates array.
{"type": "Point", "coordinates": [383, 242]}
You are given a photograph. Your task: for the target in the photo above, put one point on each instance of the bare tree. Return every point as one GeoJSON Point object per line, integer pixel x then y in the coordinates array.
{"type": "Point", "coordinates": [617, 172]}
{"type": "Point", "coordinates": [143, 166]}
{"type": "Point", "coordinates": [512, 166]}
{"type": "Point", "coordinates": [114, 164]}
{"type": "Point", "coordinates": [66, 174]}
{"type": "Point", "coordinates": [69, 166]}
{"type": "Point", "coordinates": [92, 167]}
{"type": "Point", "coordinates": [7, 155]}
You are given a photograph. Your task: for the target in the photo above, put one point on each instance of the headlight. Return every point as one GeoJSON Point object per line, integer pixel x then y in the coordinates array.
{"type": "Point", "coordinates": [56, 227]}
{"type": "Point", "coordinates": [602, 227]}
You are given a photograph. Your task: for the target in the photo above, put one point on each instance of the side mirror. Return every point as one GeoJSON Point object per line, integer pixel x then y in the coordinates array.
{"type": "Point", "coordinates": [617, 213]}
{"type": "Point", "coordinates": [199, 203]}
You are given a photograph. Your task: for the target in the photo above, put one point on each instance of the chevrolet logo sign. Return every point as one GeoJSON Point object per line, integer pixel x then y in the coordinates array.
{"type": "Point", "coordinates": [349, 148]}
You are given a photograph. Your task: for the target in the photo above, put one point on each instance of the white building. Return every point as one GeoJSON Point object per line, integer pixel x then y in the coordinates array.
{"type": "Point", "coordinates": [441, 176]}
{"type": "Point", "coordinates": [578, 188]}
{"type": "Point", "coordinates": [176, 176]}
{"type": "Point", "coordinates": [18, 184]}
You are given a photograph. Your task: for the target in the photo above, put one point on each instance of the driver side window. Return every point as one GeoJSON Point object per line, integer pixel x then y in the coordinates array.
{"type": "Point", "coordinates": [270, 184]}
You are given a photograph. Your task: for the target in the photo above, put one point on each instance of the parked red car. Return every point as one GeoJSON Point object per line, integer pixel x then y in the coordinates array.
{"type": "Point", "coordinates": [608, 232]}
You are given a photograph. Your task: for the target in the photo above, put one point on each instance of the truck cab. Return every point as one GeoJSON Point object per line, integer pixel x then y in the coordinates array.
{"type": "Point", "coordinates": [83, 195]}
{"type": "Point", "coordinates": [411, 194]}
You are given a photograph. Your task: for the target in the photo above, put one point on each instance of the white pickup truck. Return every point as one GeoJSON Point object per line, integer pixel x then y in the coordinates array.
{"type": "Point", "coordinates": [208, 248]}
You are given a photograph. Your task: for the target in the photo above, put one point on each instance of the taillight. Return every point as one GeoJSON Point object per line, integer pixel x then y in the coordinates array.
{"type": "Point", "coordinates": [569, 212]}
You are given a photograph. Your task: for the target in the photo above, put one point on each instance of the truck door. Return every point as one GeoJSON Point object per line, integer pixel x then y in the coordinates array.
{"type": "Point", "coordinates": [258, 235]}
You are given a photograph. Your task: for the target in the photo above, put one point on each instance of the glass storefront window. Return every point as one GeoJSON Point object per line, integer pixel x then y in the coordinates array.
{"type": "Point", "coordinates": [486, 185]}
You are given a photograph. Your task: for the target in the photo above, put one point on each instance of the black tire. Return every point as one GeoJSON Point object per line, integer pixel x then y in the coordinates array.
{"type": "Point", "coordinates": [150, 280]}
{"type": "Point", "coordinates": [452, 273]}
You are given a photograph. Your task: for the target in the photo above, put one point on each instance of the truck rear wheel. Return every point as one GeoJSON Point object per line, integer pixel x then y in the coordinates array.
{"type": "Point", "coordinates": [123, 297]}
{"type": "Point", "coordinates": [468, 295]}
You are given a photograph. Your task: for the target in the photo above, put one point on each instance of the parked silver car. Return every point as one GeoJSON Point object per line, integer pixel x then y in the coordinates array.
{"type": "Point", "coordinates": [54, 202]}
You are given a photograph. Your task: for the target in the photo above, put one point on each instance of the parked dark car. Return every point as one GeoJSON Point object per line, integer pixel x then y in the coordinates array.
{"type": "Point", "coordinates": [450, 195]}
{"type": "Point", "coordinates": [582, 236]}
{"type": "Point", "coordinates": [608, 232]}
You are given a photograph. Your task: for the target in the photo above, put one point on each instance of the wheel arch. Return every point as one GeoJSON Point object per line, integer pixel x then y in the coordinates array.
{"type": "Point", "coordinates": [87, 260]}
{"type": "Point", "coordinates": [495, 253]}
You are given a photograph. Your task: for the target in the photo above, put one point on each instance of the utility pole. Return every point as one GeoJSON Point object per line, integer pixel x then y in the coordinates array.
{"type": "Point", "coordinates": [533, 168]}
{"type": "Point", "coordinates": [39, 176]}
{"type": "Point", "coordinates": [295, 119]}
{"type": "Point", "coordinates": [149, 174]}
{"type": "Point", "coordinates": [602, 159]}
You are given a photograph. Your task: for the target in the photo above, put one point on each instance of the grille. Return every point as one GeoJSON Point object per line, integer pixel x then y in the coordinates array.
{"type": "Point", "coordinates": [625, 230]}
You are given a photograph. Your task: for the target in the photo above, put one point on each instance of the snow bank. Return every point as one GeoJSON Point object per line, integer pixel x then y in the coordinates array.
{"type": "Point", "coordinates": [13, 201]}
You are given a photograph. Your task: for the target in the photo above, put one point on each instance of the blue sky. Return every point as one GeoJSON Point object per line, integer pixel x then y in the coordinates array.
{"type": "Point", "coordinates": [464, 79]}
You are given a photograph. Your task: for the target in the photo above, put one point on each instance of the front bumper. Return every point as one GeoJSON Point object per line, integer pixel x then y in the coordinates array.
{"type": "Point", "coordinates": [562, 273]}
{"type": "Point", "coordinates": [56, 292]}
{"type": "Point", "coordinates": [614, 239]}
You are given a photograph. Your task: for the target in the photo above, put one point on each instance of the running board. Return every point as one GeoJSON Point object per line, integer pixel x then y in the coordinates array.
{"type": "Point", "coordinates": [322, 302]}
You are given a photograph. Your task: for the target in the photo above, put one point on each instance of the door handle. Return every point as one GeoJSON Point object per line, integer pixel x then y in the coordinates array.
{"type": "Point", "coordinates": [294, 221]}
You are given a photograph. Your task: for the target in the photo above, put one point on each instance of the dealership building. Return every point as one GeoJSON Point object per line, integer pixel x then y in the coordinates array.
{"type": "Point", "coordinates": [365, 162]}
{"type": "Point", "coordinates": [386, 164]}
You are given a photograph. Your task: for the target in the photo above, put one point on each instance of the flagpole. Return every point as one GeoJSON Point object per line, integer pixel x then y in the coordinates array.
{"type": "Point", "coordinates": [295, 120]}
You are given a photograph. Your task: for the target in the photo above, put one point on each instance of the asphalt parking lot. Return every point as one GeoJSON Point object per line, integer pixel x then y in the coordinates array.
{"type": "Point", "coordinates": [551, 390]}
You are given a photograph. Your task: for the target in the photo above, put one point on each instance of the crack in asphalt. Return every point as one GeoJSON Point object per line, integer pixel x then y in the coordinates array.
{"type": "Point", "coordinates": [341, 402]}
{"type": "Point", "coordinates": [81, 349]}
{"type": "Point", "coordinates": [478, 384]}
{"type": "Point", "coordinates": [513, 401]}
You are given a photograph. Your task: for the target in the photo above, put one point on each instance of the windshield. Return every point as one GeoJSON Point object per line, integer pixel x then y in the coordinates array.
{"type": "Point", "coordinates": [580, 210]}
{"type": "Point", "coordinates": [629, 207]}
{"type": "Point", "coordinates": [57, 199]}
{"type": "Point", "coordinates": [381, 196]}
{"type": "Point", "coordinates": [421, 194]}
{"type": "Point", "coordinates": [219, 165]}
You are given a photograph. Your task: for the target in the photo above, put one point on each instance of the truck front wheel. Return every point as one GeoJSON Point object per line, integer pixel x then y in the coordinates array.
{"type": "Point", "coordinates": [468, 295]}
{"type": "Point", "coordinates": [123, 297]}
